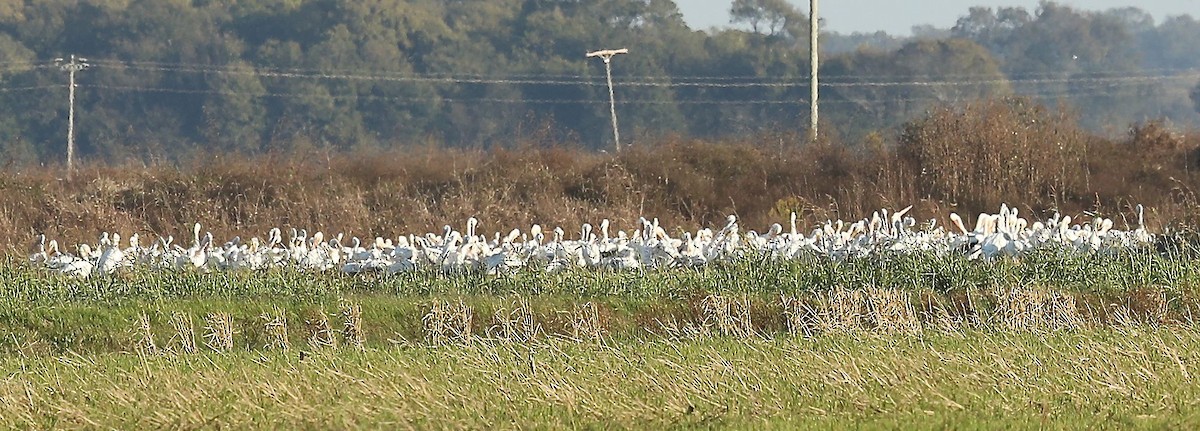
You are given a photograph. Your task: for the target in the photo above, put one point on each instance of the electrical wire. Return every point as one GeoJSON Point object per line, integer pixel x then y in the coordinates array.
{"type": "Point", "coordinates": [665, 82]}
{"type": "Point", "coordinates": [1109, 81]}
{"type": "Point", "coordinates": [588, 79]}
{"type": "Point", "coordinates": [30, 88]}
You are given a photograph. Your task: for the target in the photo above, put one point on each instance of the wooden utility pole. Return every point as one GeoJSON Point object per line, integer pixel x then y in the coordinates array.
{"type": "Point", "coordinates": [812, 54]}
{"type": "Point", "coordinates": [74, 65]}
{"type": "Point", "coordinates": [607, 55]}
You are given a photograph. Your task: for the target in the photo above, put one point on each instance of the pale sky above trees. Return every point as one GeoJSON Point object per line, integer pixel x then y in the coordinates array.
{"type": "Point", "coordinates": [898, 17]}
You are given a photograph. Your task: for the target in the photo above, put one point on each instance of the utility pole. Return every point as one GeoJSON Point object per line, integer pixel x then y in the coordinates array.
{"type": "Point", "coordinates": [812, 58]}
{"type": "Point", "coordinates": [74, 65]}
{"type": "Point", "coordinates": [607, 55]}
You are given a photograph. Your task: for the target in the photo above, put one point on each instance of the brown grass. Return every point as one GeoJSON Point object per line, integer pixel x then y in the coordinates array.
{"type": "Point", "coordinates": [218, 334]}
{"type": "Point", "coordinates": [727, 316]}
{"type": "Point", "coordinates": [145, 345]}
{"type": "Point", "coordinates": [448, 322]}
{"type": "Point", "coordinates": [352, 325]}
{"type": "Point", "coordinates": [276, 329]}
{"type": "Point", "coordinates": [891, 311]}
{"type": "Point", "coordinates": [833, 313]}
{"type": "Point", "coordinates": [185, 333]}
{"type": "Point", "coordinates": [1033, 309]}
{"type": "Point", "coordinates": [967, 159]}
{"type": "Point", "coordinates": [585, 322]}
{"type": "Point", "coordinates": [320, 333]}
{"type": "Point", "coordinates": [516, 325]}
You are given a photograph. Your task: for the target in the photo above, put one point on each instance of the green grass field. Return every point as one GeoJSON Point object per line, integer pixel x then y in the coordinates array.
{"type": "Point", "coordinates": [1093, 379]}
{"type": "Point", "coordinates": [1049, 340]}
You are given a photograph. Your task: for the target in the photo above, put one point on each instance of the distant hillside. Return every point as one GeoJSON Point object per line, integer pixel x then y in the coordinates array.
{"type": "Point", "coordinates": [170, 78]}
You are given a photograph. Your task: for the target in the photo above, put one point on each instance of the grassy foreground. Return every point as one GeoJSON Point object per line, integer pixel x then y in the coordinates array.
{"type": "Point", "coordinates": [42, 313]}
{"type": "Point", "coordinates": [1094, 379]}
{"type": "Point", "coordinates": [1048, 341]}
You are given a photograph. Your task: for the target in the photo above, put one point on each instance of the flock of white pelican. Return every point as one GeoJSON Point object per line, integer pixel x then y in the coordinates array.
{"type": "Point", "coordinates": [649, 246]}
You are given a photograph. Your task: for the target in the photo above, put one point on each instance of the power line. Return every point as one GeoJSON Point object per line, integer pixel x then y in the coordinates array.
{"type": "Point", "coordinates": [439, 99]}
{"type": "Point", "coordinates": [1063, 94]}
{"type": "Point", "coordinates": [30, 88]}
{"type": "Point", "coordinates": [663, 82]}
{"type": "Point", "coordinates": [577, 78]}
{"type": "Point", "coordinates": [1109, 83]}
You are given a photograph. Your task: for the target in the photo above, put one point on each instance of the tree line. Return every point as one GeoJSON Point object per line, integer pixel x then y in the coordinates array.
{"type": "Point", "coordinates": [170, 78]}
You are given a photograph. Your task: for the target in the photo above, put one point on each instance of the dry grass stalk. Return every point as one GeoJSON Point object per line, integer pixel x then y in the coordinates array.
{"type": "Point", "coordinates": [447, 322]}
{"type": "Point", "coordinates": [352, 327]}
{"type": "Point", "coordinates": [399, 340]}
{"type": "Point", "coordinates": [145, 345]}
{"type": "Point", "coordinates": [517, 325]}
{"type": "Point", "coordinates": [843, 310]}
{"type": "Point", "coordinates": [1152, 304]}
{"type": "Point", "coordinates": [1160, 309]}
{"type": "Point", "coordinates": [185, 332]}
{"type": "Point", "coordinates": [935, 162]}
{"type": "Point", "coordinates": [799, 318]}
{"type": "Point", "coordinates": [970, 310]}
{"type": "Point", "coordinates": [1121, 316]}
{"type": "Point", "coordinates": [28, 343]}
{"type": "Point", "coordinates": [585, 322]}
{"type": "Point", "coordinates": [218, 331]}
{"type": "Point", "coordinates": [674, 330]}
{"type": "Point", "coordinates": [320, 334]}
{"type": "Point", "coordinates": [727, 316]}
{"type": "Point", "coordinates": [1025, 308]}
{"type": "Point", "coordinates": [891, 311]}
{"type": "Point", "coordinates": [937, 316]}
{"type": "Point", "coordinates": [276, 329]}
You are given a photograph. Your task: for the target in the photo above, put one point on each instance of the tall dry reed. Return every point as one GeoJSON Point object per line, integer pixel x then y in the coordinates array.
{"type": "Point", "coordinates": [966, 159]}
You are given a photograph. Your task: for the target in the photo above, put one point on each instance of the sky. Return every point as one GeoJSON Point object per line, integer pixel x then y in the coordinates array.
{"type": "Point", "coordinates": [897, 17]}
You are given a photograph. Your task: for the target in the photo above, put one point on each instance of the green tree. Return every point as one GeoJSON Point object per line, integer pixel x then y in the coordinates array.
{"type": "Point", "coordinates": [771, 17]}
{"type": "Point", "coordinates": [1061, 53]}
{"type": "Point", "coordinates": [235, 112]}
{"type": "Point", "coordinates": [921, 74]}
{"type": "Point", "coordinates": [19, 62]}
